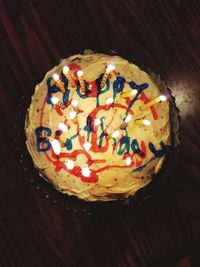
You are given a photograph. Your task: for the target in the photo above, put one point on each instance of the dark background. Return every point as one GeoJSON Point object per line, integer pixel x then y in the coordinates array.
{"type": "Point", "coordinates": [164, 230]}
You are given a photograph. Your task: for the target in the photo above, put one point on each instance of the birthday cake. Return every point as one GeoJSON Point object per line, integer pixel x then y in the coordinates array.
{"type": "Point", "coordinates": [98, 127]}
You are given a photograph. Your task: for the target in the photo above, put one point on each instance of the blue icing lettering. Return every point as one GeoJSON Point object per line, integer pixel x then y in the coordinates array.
{"type": "Point", "coordinates": [66, 96]}
{"type": "Point", "coordinates": [68, 144]}
{"type": "Point", "coordinates": [102, 135]}
{"type": "Point", "coordinates": [124, 145]}
{"type": "Point", "coordinates": [134, 146]}
{"type": "Point", "coordinates": [158, 152]}
{"type": "Point", "coordinates": [67, 91]}
{"type": "Point", "coordinates": [42, 140]}
{"type": "Point", "coordinates": [140, 88]}
{"type": "Point", "coordinates": [114, 144]}
{"type": "Point", "coordinates": [125, 129]}
{"type": "Point", "coordinates": [118, 86]}
{"type": "Point", "coordinates": [99, 89]}
{"type": "Point", "coordinates": [65, 81]}
{"type": "Point", "coordinates": [83, 94]}
{"type": "Point", "coordinates": [73, 136]}
{"type": "Point", "coordinates": [51, 89]}
{"type": "Point", "coordinates": [87, 127]}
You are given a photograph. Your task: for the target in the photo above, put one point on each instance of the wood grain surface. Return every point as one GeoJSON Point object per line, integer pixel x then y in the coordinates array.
{"type": "Point", "coordinates": [162, 231]}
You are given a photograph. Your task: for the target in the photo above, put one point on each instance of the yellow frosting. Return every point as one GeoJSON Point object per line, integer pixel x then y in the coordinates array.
{"type": "Point", "coordinates": [114, 182]}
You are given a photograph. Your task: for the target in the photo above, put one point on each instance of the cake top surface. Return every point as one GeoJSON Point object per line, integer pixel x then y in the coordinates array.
{"type": "Point", "coordinates": [91, 131]}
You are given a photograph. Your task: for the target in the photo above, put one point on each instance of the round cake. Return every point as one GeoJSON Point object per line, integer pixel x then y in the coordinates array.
{"type": "Point", "coordinates": [98, 127]}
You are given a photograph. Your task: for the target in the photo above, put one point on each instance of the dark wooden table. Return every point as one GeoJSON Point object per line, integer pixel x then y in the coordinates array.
{"type": "Point", "coordinates": [162, 231]}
